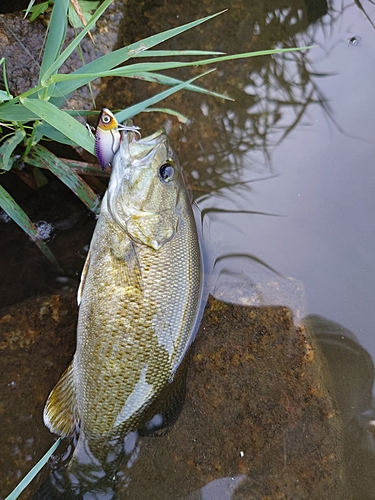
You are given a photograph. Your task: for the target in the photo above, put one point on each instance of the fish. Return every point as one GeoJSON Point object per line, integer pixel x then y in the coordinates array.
{"type": "Point", "coordinates": [108, 137]}
{"type": "Point", "coordinates": [140, 304]}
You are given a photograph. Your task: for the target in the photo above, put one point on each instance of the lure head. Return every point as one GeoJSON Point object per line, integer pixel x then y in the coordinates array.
{"type": "Point", "coordinates": [107, 121]}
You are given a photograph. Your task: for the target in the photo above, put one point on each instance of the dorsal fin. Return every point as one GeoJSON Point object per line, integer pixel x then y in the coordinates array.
{"type": "Point", "coordinates": [60, 413]}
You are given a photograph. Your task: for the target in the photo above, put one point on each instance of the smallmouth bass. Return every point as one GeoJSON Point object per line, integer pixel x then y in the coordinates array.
{"type": "Point", "coordinates": [139, 302]}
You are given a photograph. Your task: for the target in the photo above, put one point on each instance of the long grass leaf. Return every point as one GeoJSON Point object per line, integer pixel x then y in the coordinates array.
{"type": "Point", "coordinates": [133, 69]}
{"type": "Point", "coordinates": [168, 80]}
{"type": "Point", "coordinates": [137, 108]}
{"type": "Point", "coordinates": [31, 3]}
{"type": "Point", "coordinates": [173, 53]}
{"type": "Point", "coordinates": [16, 112]}
{"type": "Point", "coordinates": [213, 60]}
{"type": "Point", "coordinates": [36, 10]}
{"type": "Point", "coordinates": [46, 130]}
{"type": "Point", "coordinates": [80, 167]}
{"type": "Point", "coordinates": [61, 121]}
{"type": "Point", "coordinates": [54, 67]}
{"type": "Point", "coordinates": [8, 147]}
{"type": "Point", "coordinates": [15, 212]}
{"type": "Point", "coordinates": [181, 118]}
{"type": "Point", "coordinates": [68, 177]}
{"type": "Point", "coordinates": [56, 36]}
{"type": "Point", "coordinates": [34, 471]}
{"type": "Point", "coordinates": [113, 59]}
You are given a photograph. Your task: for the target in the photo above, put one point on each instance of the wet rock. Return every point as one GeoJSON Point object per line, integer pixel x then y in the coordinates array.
{"type": "Point", "coordinates": [258, 420]}
{"type": "Point", "coordinates": [21, 42]}
{"type": "Point", "coordinates": [258, 410]}
{"type": "Point", "coordinates": [37, 341]}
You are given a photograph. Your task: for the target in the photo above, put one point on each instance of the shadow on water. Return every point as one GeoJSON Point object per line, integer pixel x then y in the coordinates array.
{"type": "Point", "coordinates": [273, 96]}
{"type": "Point", "coordinates": [352, 372]}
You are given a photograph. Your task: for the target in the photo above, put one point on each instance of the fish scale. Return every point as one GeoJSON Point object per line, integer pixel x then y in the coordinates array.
{"type": "Point", "coordinates": [140, 301]}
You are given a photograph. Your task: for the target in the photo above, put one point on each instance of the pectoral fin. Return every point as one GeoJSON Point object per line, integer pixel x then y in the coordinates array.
{"type": "Point", "coordinates": [60, 413]}
{"type": "Point", "coordinates": [83, 279]}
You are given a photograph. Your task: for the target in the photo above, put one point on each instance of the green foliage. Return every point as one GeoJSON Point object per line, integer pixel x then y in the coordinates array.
{"type": "Point", "coordinates": [86, 7]}
{"type": "Point", "coordinates": [42, 104]}
{"type": "Point", "coordinates": [37, 10]}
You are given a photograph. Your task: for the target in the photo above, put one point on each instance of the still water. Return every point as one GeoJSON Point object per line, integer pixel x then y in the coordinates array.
{"type": "Point", "coordinates": [296, 149]}
{"type": "Point", "coordinates": [323, 187]}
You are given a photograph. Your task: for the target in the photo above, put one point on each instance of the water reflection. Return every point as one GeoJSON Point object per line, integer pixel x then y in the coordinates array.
{"type": "Point", "coordinates": [258, 287]}
{"type": "Point", "coordinates": [219, 489]}
{"type": "Point", "coordinates": [352, 372]}
{"type": "Point", "coordinates": [265, 89]}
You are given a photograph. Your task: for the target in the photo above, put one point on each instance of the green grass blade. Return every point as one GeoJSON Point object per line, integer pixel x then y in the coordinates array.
{"type": "Point", "coordinates": [8, 147]}
{"type": "Point", "coordinates": [34, 471]}
{"type": "Point", "coordinates": [67, 176]}
{"type": "Point", "coordinates": [173, 53]}
{"type": "Point", "coordinates": [29, 7]}
{"type": "Point", "coordinates": [80, 167]}
{"type": "Point", "coordinates": [181, 118]}
{"type": "Point", "coordinates": [46, 130]}
{"type": "Point", "coordinates": [126, 70]}
{"type": "Point", "coordinates": [56, 36]}
{"type": "Point", "coordinates": [61, 121]}
{"type": "Point", "coordinates": [167, 80]}
{"type": "Point", "coordinates": [113, 59]}
{"type": "Point", "coordinates": [4, 96]}
{"type": "Point", "coordinates": [133, 69]}
{"type": "Point", "coordinates": [56, 64]}
{"type": "Point", "coordinates": [15, 212]}
{"type": "Point", "coordinates": [36, 10]}
{"type": "Point", "coordinates": [137, 108]}
{"type": "Point", "coordinates": [16, 112]}
{"type": "Point", "coordinates": [82, 112]}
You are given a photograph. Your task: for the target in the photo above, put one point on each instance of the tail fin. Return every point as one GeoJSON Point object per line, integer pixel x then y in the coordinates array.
{"type": "Point", "coordinates": [63, 485]}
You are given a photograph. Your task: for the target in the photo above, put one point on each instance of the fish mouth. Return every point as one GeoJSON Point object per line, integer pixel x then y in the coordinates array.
{"type": "Point", "coordinates": [136, 146]}
{"type": "Point", "coordinates": [135, 136]}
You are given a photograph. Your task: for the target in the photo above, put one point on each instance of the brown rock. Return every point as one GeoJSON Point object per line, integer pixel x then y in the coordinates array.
{"type": "Point", "coordinates": [257, 409]}
{"type": "Point", "coordinates": [37, 341]}
{"type": "Point", "coordinates": [258, 418]}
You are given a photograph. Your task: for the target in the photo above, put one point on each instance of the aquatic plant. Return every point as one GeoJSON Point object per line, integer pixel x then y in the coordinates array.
{"type": "Point", "coordinates": [36, 114]}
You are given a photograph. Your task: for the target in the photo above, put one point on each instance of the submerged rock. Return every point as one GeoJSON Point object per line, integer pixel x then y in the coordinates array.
{"type": "Point", "coordinates": [258, 410]}
{"type": "Point", "coordinates": [37, 340]}
{"type": "Point", "coordinates": [258, 420]}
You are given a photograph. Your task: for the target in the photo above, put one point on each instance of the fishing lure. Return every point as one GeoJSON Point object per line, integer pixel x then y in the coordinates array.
{"type": "Point", "coordinates": [108, 137]}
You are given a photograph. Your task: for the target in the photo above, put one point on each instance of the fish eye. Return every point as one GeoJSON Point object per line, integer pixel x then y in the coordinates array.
{"type": "Point", "coordinates": [166, 172]}
{"type": "Point", "coordinates": [106, 118]}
